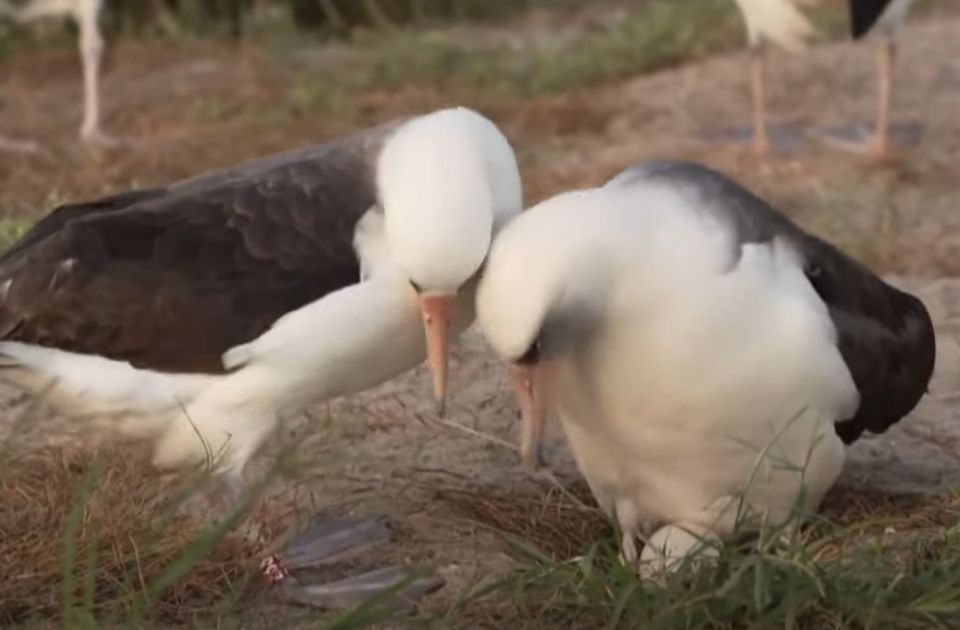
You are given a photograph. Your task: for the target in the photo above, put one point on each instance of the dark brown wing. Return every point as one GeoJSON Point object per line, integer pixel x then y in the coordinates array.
{"type": "Point", "coordinates": [864, 14]}
{"type": "Point", "coordinates": [59, 217]}
{"type": "Point", "coordinates": [885, 335]}
{"type": "Point", "coordinates": [170, 279]}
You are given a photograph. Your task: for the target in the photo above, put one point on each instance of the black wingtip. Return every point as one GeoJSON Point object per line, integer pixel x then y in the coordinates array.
{"type": "Point", "coordinates": [864, 14]}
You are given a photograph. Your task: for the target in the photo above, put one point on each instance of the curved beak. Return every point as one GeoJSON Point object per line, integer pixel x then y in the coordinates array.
{"type": "Point", "coordinates": [533, 387]}
{"type": "Point", "coordinates": [436, 309]}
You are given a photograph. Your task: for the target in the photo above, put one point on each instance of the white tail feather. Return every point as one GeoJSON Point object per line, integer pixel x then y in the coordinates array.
{"type": "Point", "coordinates": [778, 21]}
{"type": "Point", "coordinates": [130, 401]}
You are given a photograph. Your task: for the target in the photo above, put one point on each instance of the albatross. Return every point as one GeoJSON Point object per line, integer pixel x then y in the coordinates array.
{"type": "Point", "coordinates": [782, 23]}
{"type": "Point", "coordinates": [708, 359]}
{"type": "Point", "coordinates": [202, 313]}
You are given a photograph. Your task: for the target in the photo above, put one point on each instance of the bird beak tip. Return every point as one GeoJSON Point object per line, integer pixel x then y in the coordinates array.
{"type": "Point", "coordinates": [531, 391]}
{"type": "Point", "coordinates": [532, 459]}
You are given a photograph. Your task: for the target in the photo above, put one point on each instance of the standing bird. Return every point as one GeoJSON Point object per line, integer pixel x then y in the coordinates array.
{"type": "Point", "coordinates": [708, 358]}
{"type": "Point", "coordinates": [202, 313]}
{"type": "Point", "coordinates": [780, 22]}
{"type": "Point", "coordinates": [86, 13]}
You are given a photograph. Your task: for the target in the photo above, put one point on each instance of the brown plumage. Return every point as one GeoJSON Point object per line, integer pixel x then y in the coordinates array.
{"type": "Point", "coordinates": [170, 278]}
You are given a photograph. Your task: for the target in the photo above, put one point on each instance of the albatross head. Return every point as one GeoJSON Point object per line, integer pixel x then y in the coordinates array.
{"type": "Point", "coordinates": [447, 181]}
{"type": "Point", "coordinates": [541, 299]}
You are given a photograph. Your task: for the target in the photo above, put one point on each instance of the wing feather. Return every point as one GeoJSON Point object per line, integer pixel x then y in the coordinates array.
{"type": "Point", "coordinates": [864, 14]}
{"type": "Point", "coordinates": [885, 335]}
{"type": "Point", "coordinates": [169, 279]}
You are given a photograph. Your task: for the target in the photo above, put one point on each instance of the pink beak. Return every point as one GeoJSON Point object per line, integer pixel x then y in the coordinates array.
{"type": "Point", "coordinates": [533, 387]}
{"type": "Point", "coordinates": [435, 310]}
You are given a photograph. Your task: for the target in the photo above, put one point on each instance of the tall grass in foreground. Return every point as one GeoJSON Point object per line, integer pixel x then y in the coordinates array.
{"type": "Point", "coordinates": [99, 538]}
{"type": "Point", "coordinates": [896, 568]}
{"type": "Point", "coordinates": [92, 540]}
{"type": "Point", "coordinates": [97, 541]}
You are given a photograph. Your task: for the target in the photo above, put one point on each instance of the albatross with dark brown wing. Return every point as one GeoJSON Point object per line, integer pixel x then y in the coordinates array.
{"type": "Point", "coordinates": [221, 304]}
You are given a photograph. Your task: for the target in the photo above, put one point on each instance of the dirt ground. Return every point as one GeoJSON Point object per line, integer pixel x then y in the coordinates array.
{"type": "Point", "coordinates": [386, 451]}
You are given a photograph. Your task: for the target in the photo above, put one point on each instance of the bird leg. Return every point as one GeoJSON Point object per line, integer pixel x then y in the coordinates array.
{"type": "Point", "coordinates": [859, 140]}
{"type": "Point", "coordinates": [879, 146]}
{"type": "Point", "coordinates": [91, 57]}
{"type": "Point", "coordinates": [758, 132]}
{"type": "Point", "coordinates": [758, 63]}
{"type": "Point", "coordinates": [87, 14]}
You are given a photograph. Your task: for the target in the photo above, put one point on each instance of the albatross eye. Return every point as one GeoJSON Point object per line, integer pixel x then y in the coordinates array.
{"type": "Point", "coordinates": [532, 355]}
{"type": "Point", "coordinates": [416, 287]}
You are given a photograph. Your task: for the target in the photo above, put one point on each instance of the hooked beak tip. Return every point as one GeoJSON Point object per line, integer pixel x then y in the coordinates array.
{"type": "Point", "coordinates": [531, 385]}
{"type": "Point", "coordinates": [442, 407]}
{"type": "Point", "coordinates": [532, 459]}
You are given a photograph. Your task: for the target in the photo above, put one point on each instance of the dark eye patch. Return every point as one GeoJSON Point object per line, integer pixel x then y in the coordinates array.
{"type": "Point", "coordinates": [416, 287]}
{"type": "Point", "coordinates": [532, 355]}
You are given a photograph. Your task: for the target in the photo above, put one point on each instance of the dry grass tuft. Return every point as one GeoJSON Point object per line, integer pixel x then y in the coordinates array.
{"type": "Point", "coordinates": [82, 535]}
{"type": "Point", "coordinates": [556, 523]}
{"type": "Point", "coordinates": [562, 524]}
{"type": "Point", "coordinates": [873, 511]}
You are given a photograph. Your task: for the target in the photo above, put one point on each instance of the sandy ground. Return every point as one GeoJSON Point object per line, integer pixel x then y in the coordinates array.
{"type": "Point", "coordinates": [386, 451]}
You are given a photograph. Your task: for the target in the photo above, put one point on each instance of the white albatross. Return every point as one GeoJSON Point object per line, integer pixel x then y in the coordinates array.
{"type": "Point", "coordinates": [202, 313]}
{"type": "Point", "coordinates": [700, 348]}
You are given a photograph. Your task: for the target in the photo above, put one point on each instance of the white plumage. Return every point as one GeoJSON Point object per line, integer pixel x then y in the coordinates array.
{"type": "Point", "coordinates": [777, 21]}
{"type": "Point", "coordinates": [695, 369]}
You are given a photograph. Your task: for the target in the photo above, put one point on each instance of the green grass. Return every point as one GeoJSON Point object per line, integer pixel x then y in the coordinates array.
{"type": "Point", "coordinates": [658, 34]}
{"type": "Point", "coordinates": [847, 577]}
{"type": "Point", "coordinates": [855, 571]}
{"type": "Point", "coordinates": [11, 229]}
{"type": "Point", "coordinates": [648, 36]}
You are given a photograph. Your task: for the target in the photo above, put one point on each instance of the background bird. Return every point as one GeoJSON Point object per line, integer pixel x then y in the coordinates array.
{"type": "Point", "coordinates": [86, 13]}
{"type": "Point", "coordinates": [782, 23]}
{"type": "Point", "coordinates": [709, 359]}
{"type": "Point", "coordinates": [201, 313]}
